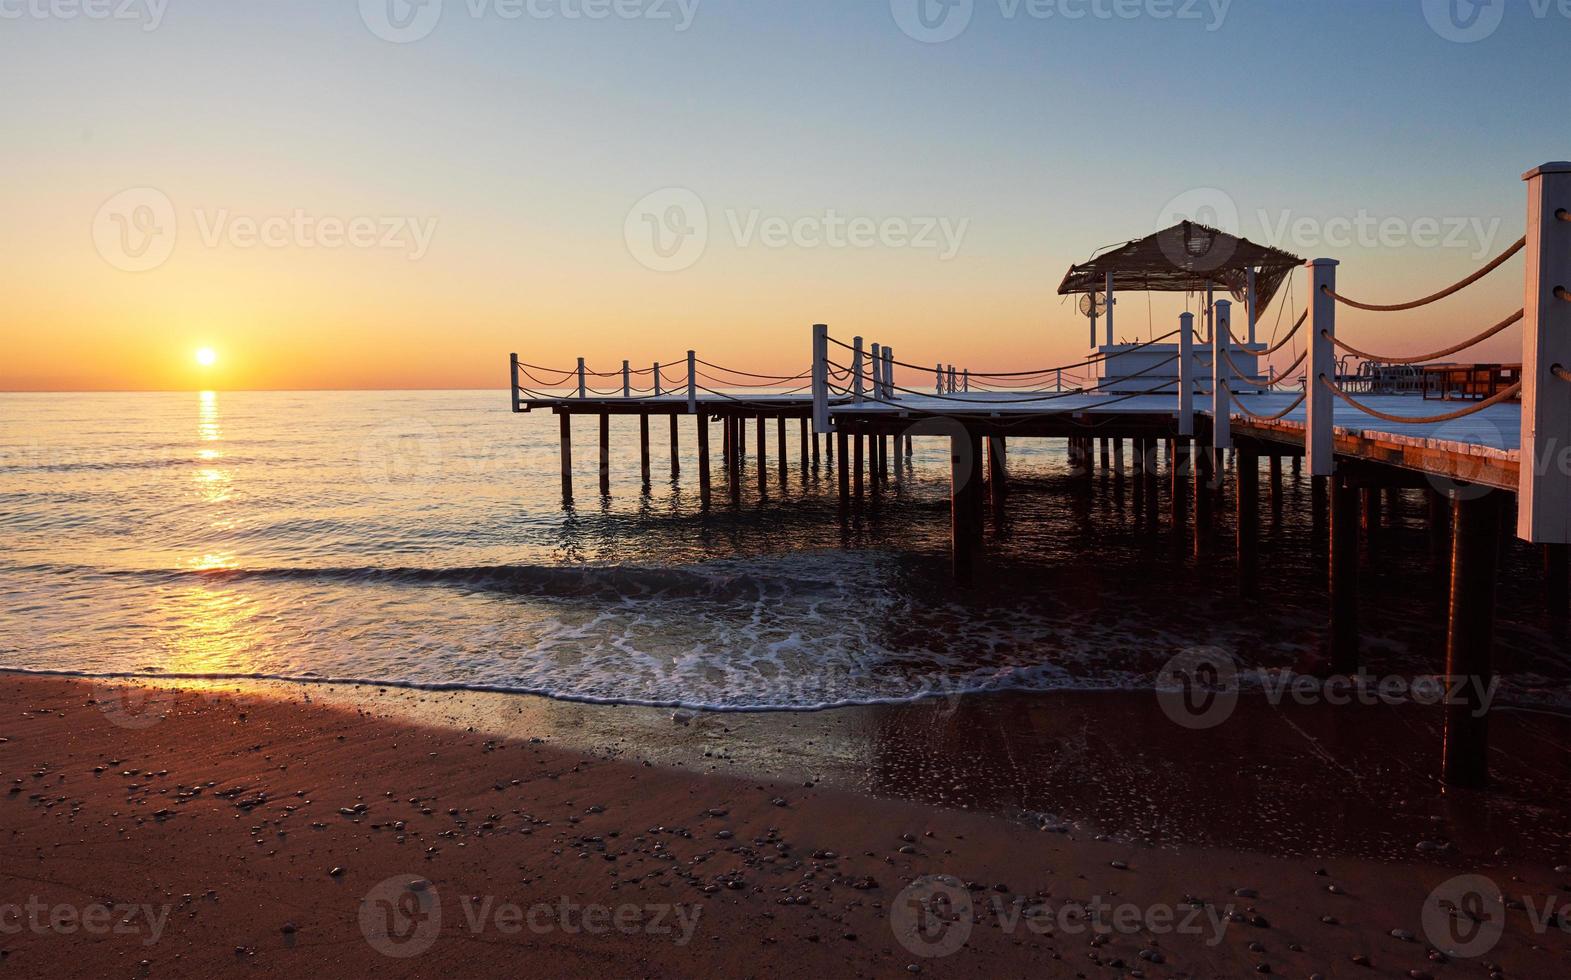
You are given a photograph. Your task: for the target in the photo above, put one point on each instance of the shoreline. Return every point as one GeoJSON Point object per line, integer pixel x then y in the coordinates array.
{"type": "Point", "coordinates": [234, 808]}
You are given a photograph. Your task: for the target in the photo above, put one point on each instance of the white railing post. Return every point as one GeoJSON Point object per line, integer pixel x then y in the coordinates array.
{"type": "Point", "coordinates": [627, 380]}
{"type": "Point", "coordinates": [856, 370]}
{"type": "Point", "coordinates": [820, 377]}
{"type": "Point", "coordinates": [1058, 379]}
{"type": "Point", "coordinates": [1544, 489]}
{"type": "Point", "coordinates": [938, 379]}
{"type": "Point", "coordinates": [889, 373]}
{"type": "Point", "coordinates": [658, 392]}
{"type": "Point", "coordinates": [965, 380]}
{"type": "Point", "coordinates": [692, 383]}
{"type": "Point", "coordinates": [1320, 417]}
{"type": "Point", "coordinates": [514, 374]}
{"type": "Point", "coordinates": [1252, 298]}
{"type": "Point", "coordinates": [581, 389]}
{"type": "Point", "coordinates": [876, 371]}
{"type": "Point", "coordinates": [1186, 374]}
{"type": "Point", "coordinates": [1110, 303]}
{"type": "Point", "coordinates": [1221, 400]}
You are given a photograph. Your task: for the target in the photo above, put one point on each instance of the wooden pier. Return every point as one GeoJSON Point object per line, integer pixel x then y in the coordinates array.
{"type": "Point", "coordinates": [1193, 403]}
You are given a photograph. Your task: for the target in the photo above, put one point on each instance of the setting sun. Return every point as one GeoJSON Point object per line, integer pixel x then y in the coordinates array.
{"type": "Point", "coordinates": [206, 356]}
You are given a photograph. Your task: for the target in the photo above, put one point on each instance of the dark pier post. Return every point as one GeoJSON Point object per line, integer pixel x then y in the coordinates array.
{"type": "Point", "coordinates": [909, 450]}
{"type": "Point", "coordinates": [763, 458]}
{"type": "Point", "coordinates": [883, 457]}
{"type": "Point", "coordinates": [1319, 501]}
{"type": "Point", "coordinates": [741, 436]}
{"type": "Point", "coordinates": [1247, 487]}
{"type": "Point", "coordinates": [676, 450]}
{"type": "Point", "coordinates": [780, 439]}
{"type": "Point", "coordinates": [643, 447]}
{"type": "Point", "coordinates": [1371, 517]}
{"type": "Point", "coordinates": [1202, 466]}
{"type": "Point", "coordinates": [703, 459]}
{"type": "Point", "coordinates": [567, 457]}
{"type": "Point", "coordinates": [860, 464]}
{"type": "Point", "coordinates": [817, 459]}
{"type": "Point", "coordinates": [802, 427]}
{"type": "Point", "coordinates": [829, 452]}
{"type": "Point", "coordinates": [965, 495]}
{"type": "Point", "coordinates": [1557, 583]}
{"type": "Point", "coordinates": [1178, 473]}
{"type": "Point", "coordinates": [1106, 455]}
{"type": "Point", "coordinates": [725, 444]}
{"type": "Point", "coordinates": [1118, 458]}
{"type": "Point", "coordinates": [1475, 556]}
{"type": "Point", "coordinates": [605, 454]}
{"type": "Point", "coordinates": [1298, 467]}
{"type": "Point", "coordinates": [1276, 486]}
{"type": "Point", "coordinates": [845, 474]}
{"type": "Point", "coordinates": [1344, 576]}
{"type": "Point", "coordinates": [735, 472]}
{"type": "Point", "coordinates": [997, 472]}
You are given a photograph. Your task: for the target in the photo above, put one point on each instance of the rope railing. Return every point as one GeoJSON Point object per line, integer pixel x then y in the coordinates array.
{"type": "Point", "coordinates": [1258, 417]}
{"type": "Point", "coordinates": [1242, 375]}
{"type": "Point", "coordinates": [1502, 396]}
{"type": "Point", "coordinates": [1500, 260]}
{"type": "Point", "coordinates": [1560, 372]}
{"type": "Point", "coordinates": [1476, 339]}
{"type": "Point", "coordinates": [1022, 400]}
{"type": "Point", "coordinates": [1098, 359]}
{"type": "Point", "coordinates": [1279, 344]}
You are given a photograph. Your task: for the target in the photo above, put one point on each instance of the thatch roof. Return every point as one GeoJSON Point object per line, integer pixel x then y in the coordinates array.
{"type": "Point", "coordinates": [1185, 258]}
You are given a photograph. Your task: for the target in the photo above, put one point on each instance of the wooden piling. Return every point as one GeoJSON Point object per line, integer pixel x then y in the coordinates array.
{"type": "Point", "coordinates": [841, 441]}
{"type": "Point", "coordinates": [883, 457]}
{"type": "Point", "coordinates": [965, 503]}
{"type": "Point", "coordinates": [1118, 458]}
{"type": "Point", "coordinates": [605, 454]}
{"type": "Point", "coordinates": [997, 472]}
{"type": "Point", "coordinates": [763, 458]}
{"type": "Point", "coordinates": [1276, 485]}
{"type": "Point", "coordinates": [1343, 561]}
{"type": "Point", "coordinates": [643, 448]}
{"type": "Point", "coordinates": [704, 487]}
{"type": "Point", "coordinates": [780, 441]}
{"type": "Point", "coordinates": [859, 462]}
{"type": "Point", "coordinates": [1247, 488]}
{"type": "Point", "coordinates": [676, 450]}
{"type": "Point", "coordinates": [817, 459]}
{"type": "Point", "coordinates": [1178, 474]}
{"type": "Point", "coordinates": [1106, 455]}
{"type": "Point", "coordinates": [1557, 583]}
{"type": "Point", "coordinates": [734, 465]}
{"type": "Point", "coordinates": [1475, 556]}
{"type": "Point", "coordinates": [1319, 502]}
{"type": "Point", "coordinates": [802, 427]}
{"type": "Point", "coordinates": [567, 456]}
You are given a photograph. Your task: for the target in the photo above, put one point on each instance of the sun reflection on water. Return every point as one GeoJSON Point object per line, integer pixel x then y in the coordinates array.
{"type": "Point", "coordinates": [212, 633]}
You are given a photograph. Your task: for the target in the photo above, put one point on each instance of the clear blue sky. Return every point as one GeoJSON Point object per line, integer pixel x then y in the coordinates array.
{"type": "Point", "coordinates": [531, 138]}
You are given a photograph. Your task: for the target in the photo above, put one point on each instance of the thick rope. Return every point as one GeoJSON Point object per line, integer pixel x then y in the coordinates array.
{"type": "Point", "coordinates": [1508, 321]}
{"type": "Point", "coordinates": [1274, 347]}
{"type": "Point", "coordinates": [1241, 374]}
{"type": "Point", "coordinates": [1025, 401]}
{"type": "Point", "coordinates": [1496, 399]}
{"type": "Point", "coordinates": [1024, 374]}
{"type": "Point", "coordinates": [1238, 404]}
{"type": "Point", "coordinates": [1449, 290]}
{"type": "Point", "coordinates": [1560, 373]}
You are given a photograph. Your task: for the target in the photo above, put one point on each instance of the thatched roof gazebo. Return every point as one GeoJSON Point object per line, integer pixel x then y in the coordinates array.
{"type": "Point", "coordinates": [1188, 257]}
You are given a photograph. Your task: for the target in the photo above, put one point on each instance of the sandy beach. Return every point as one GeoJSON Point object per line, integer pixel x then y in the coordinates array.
{"type": "Point", "coordinates": [183, 833]}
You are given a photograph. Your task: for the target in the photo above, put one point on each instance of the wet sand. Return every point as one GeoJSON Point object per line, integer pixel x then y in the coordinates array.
{"type": "Point", "coordinates": [270, 831]}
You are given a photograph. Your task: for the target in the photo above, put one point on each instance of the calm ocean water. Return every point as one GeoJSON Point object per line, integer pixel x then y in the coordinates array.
{"type": "Point", "coordinates": [420, 538]}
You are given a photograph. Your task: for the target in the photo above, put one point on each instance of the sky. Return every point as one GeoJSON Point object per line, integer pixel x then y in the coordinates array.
{"type": "Point", "coordinates": [369, 194]}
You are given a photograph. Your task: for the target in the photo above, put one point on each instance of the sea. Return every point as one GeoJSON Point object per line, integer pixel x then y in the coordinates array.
{"type": "Point", "coordinates": [421, 539]}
